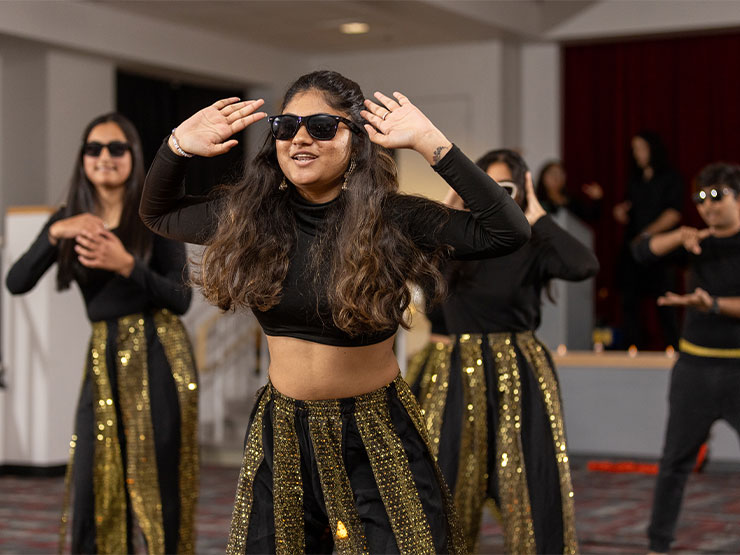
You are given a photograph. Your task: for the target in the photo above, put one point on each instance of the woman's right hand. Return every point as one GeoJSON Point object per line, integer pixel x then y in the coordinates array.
{"type": "Point", "coordinates": [206, 132]}
{"type": "Point", "coordinates": [71, 227]}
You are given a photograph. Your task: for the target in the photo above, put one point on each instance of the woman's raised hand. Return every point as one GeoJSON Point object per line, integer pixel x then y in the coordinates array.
{"type": "Point", "coordinates": [534, 209]}
{"type": "Point", "coordinates": [397, 123]}
{"type": "Point", "coordinates": [207, 132]}
{"type": "Point", "coordinates": [71, 227]}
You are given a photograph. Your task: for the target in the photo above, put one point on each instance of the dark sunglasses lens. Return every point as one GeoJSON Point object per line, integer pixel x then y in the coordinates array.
{"type": "Point", "coordinates": [284, 127]}
{"type": "Point", "coordinates": [92, 149]}
{"type": "Point", "coordinates": [117, 149]}
{"type": "Point", "coordinates": [322, 127]}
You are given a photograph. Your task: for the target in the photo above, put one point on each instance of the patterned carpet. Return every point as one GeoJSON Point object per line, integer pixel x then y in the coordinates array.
{"type": "Point", "coordinates": [612, 513]}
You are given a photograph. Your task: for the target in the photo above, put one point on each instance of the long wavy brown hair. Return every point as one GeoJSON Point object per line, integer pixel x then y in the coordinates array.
{"type": "Point", "coordinates": [370, 253]}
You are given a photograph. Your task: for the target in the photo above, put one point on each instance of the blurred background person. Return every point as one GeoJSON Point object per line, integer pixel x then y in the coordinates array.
{"type": "Point", "coordinates": [134, 448]}
{"type": "Point", "coordinates": [553, 195]}
{"type": "Point", "coordinates": [652, 205]}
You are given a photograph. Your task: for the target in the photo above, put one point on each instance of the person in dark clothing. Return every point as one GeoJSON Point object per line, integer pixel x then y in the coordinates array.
{"type": "Point", "coordinates": [706, 377]}
{"type": "Point", "coordinates": [490, 398]}
{"type": "Point", "coordinates": [653, 205]}
{"type": "Point", "coordinates": [134, 448]}
{"type": "Point", "coordinates": [318, 242]}
{"type": "Point", "coordinates": [553, 196]}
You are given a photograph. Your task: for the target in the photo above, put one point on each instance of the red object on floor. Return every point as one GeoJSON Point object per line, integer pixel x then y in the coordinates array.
{"type": "Point", "coordinates": [631, 467]}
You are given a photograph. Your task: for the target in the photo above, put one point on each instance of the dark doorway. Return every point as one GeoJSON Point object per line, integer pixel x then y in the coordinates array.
{"type": "Point", "coordinates": [155, 106]}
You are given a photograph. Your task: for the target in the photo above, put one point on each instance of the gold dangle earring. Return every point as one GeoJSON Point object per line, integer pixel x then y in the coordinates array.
{"type": "Point", "coordinates": [283, 185]}
{"type": "Point", "coordinates": [348, 173]}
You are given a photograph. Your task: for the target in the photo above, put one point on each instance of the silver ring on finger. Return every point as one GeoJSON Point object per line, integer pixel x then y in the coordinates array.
{"type": "Point", "coordinates": [386, 115]}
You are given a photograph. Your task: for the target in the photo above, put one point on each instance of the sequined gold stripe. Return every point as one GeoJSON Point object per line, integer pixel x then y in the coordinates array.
{"type": "Point", "coordinates": [699, 351]}
{"type": "Point", "coordinates": [535, 354]}
{"type": "Point", "coordinates": [512, 478]}
{"type": "Point", "coordinates": [325, 427]}
{"type": "Point", "coordinates": [287, 485]}
{"type": "Point", "coordinates": [472, 473]}
{"type": "Point", "coordinates": [456, 542]}
{"type": "Point", "coordinates": [417, 363]}
{"type": "Point", "coordinates": [142, 476]}
{"type": "Point", "coordinates": [110, 494]}
{"type": "Point", "coordinates": [174, 340]}
{"type": "Point", "coordinates": [392, 473]}
{"type": "Point", "coordinates": [433, 391]}
{"type": "Point", "coordinates": [253, 457]}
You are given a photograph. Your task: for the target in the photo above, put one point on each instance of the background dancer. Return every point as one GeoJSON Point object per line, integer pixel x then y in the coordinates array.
{"type": "Point", "coordinates": [492, 404]}
{"type": "Point", "coordinates": [317, 241]}
{"type": "Point", "coordinates": [135, 450]}
{"type": "Point", "coordinates": [706, 377]}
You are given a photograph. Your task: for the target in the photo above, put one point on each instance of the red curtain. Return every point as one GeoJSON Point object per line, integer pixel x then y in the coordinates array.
{"type": "Point", "coordinates": [686, 89]}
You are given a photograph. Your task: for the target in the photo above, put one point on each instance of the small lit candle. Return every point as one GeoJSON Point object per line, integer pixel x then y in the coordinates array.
{"type": "Point", "coordinates": [670, 352]}
{"type": "Point", "coordinates": [562, 350]}
{"type": "Point", "coordinates": [632, 351]}
{"type": "Point", "coordinates": [598, 347]}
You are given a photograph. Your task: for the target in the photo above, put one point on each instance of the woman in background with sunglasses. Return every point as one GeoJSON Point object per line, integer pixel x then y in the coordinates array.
{"type": "Point", "coordinates": [134, 449]}
{"type": "Point", "coordinates": [318, 242]}
{"type": "Point", "coordinates": [490, 398]}
{"type": "Point", "coordinates": [705, 380]}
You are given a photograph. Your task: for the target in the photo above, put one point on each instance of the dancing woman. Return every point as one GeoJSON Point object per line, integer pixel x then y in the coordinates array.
{"type": "Point", "coordinates": [135, 450]}
{"type": "Point", "coordinates": [491, 399]}
{"type": "Point", "coordinates": [317, 241]}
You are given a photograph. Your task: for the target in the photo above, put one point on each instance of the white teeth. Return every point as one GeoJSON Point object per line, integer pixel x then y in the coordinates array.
{"type": "Point", "coordinates": [304, 157]}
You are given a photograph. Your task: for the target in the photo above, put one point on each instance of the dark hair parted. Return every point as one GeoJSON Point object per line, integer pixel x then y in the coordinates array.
{"type": "Point", "coordinates": [719, 173]}
{"type": "Point", "coordinates": [82, 197]}
{"type": "Point", "coordinates": [370, 258]}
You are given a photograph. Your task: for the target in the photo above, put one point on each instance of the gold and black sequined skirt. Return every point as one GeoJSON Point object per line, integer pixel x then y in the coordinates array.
{"type": "Point", "coordinates": [134, 453]}
{"type": "Point", "coordinates": [493, 409]}
{"type": "Point", "coordinates": [351, 475]}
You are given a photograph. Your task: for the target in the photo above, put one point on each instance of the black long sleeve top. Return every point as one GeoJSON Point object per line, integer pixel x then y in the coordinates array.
{"type": "Point", "coordinates": [494, 226]}
{"type": "Point", "coordinates": [505, 294]}
{"type": "Point", "coordinates": [717, 271]}
{"type": "Point", "coordinates": [158, 283]}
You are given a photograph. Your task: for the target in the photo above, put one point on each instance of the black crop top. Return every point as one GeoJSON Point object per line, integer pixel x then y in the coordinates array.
{"type": "Point", "coordinates": [158, 283]}
{"type": "Point", "coordinates": [505, 294]}
{"type": "Point", "coordinates": [494, 226]}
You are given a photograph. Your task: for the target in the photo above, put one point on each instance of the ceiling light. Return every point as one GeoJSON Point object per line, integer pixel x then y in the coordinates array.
{"type": "Point", "coordinates": [354, 28]}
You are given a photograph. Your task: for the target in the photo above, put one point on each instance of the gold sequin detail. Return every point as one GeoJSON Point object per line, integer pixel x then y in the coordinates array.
{"type": "Point", "coordinates": [512, 479]}
{"type": "Point", "coordinates": [253, 457]}
{"type": "Point", "coordinates": [472, 473]}
{"type": "Point", "coordinates": [325, 427]}
{"type": "Point", "coordinates": [393, 474]}
{"type": "Point", "coordinates": [287, 485]}
{"type": "Point", "coordinates": [433, 391]}
{"type": "Point", "coordinates": [536, 355]}
{"type": "Point", "coordinates": [142, 476]}
{"type": "Point", "coordinates": [110, 494]}
{"type": "Point", "coordinates": [174, 340]}
{"type": "Point", "coordinates": [456, 542]}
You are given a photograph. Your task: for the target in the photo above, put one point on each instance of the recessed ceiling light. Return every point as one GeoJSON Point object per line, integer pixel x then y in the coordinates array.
{"type": "Point", "coordinates": [354, 28]}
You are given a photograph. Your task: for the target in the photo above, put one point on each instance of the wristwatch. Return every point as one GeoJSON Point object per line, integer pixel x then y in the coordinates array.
{"type": "Point", "coordinates": [714, 309]}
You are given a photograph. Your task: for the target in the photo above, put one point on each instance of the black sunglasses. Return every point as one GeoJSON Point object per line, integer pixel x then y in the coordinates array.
{"type": "Point", "coordinates": [714, 194]}
{"type": "Point", "coordinates": [322, 127]}
{"type": "Point", "coordinates": [510, 187]}
{"type": "Point", "coordinates": [115, 148]}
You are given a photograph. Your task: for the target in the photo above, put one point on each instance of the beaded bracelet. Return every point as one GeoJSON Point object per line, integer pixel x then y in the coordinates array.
{"type": "Point", "coordinates": [180, 151]}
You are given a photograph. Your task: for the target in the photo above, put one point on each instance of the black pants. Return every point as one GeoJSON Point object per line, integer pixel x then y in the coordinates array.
{"type": "Point", "coordinates": [350, 475]}
{"type": "Point", "coordinates": [702, 391]}
{"type": "Point", "coordinates": [493, 409]}
{"type": "Point", "coordinates": [91, 478]}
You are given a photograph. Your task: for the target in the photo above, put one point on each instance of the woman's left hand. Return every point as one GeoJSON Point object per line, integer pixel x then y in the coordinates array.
{"type": "Point", "coordinates": [104, 251]}
{"type": "Point", "coordinates": [534, 209]}
{"type": "Point", "coordinates": [699, 299]}
{"type": "Point", "coordinates": [399, 124]}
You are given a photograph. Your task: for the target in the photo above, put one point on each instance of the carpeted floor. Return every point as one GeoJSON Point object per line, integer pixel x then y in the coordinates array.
{"type": "Point", "coordinates": [612, 513]}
